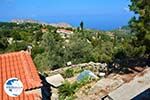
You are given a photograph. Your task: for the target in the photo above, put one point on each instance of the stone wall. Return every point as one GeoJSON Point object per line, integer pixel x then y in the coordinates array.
{"type": "Point", "coordinates": [95, 67]}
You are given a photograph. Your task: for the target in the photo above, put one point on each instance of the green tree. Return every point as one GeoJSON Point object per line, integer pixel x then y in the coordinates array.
{"type": "Point", "coordinates": [141, 23]}
{"type": "Point", "coordinates": [82, 25]}
{"type": "Point", "coordinates": [53, 55]}
{"type": "Point", "coordinates": [79, 49]}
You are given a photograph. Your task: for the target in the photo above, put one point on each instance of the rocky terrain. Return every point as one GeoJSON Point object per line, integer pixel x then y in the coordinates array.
{"type": "Point", "coordinates": [61, 24]}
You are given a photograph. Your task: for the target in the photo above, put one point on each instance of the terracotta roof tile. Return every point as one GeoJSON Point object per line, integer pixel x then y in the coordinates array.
{"type": "Point", "coordinates": [19, 65]}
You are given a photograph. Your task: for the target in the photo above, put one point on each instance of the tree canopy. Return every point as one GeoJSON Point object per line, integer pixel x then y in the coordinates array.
{"type": "Point", "coordinates": [140, 23]}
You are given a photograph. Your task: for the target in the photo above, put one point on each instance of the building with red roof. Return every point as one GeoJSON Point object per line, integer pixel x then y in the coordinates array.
{"type": "Point", "coordinates": [21, 66]}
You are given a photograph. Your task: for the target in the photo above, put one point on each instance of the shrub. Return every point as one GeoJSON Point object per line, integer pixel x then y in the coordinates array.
{"type": "Point", "coordinates": [68, 73]}
{"type": "Point", "coordinates": [67, 90]}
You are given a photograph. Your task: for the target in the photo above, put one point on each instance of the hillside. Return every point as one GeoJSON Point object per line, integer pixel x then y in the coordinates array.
{"type": "Point", "coordinates": [56, 46]}
{"type": "Point", "coordinates": [21, 21]}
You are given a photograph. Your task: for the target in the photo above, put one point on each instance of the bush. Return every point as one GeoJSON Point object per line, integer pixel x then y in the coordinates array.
{"type": "Point", "coordinates": [41, 62]}
{"type": "Point", "coordinates": [67, 90]}
{"type": "Point", "coordinates": [68, 73]}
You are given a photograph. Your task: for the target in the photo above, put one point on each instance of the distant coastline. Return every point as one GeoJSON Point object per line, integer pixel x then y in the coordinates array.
{"type": "Point", "coordinates": [95, 25]}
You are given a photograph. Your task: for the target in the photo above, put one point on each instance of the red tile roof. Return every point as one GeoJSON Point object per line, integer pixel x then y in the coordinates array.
{"type": "Point", "coordinates": [21, 66]}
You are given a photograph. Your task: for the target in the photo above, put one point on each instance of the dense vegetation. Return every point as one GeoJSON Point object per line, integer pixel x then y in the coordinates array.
{"type": "Point", "coordinates": [51, 51]}
{"type": "Point", "coordinates": [140, 24]}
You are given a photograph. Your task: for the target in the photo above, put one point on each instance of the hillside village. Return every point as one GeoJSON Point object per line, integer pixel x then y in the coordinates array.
{"type": "Point", "coordinates": [59, 61]}
{"type": "Point", "coordinates": [75, 63]}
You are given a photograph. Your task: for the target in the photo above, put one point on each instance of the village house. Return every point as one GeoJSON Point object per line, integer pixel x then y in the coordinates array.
{"type": "Point", "coordinates": [21, 66]}
{"type": "Point", "coordinates": [44, 30]}
{"type": "Point", "coordinates": [64, 33]}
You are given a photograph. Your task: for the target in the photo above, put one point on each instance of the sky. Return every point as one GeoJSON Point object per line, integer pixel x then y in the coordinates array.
{"type": "Point", "coordinates": [96, 14]}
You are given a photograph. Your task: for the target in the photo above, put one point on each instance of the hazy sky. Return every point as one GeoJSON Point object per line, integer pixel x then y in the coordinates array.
{"type": "Point", "coordinates": [99, 14]}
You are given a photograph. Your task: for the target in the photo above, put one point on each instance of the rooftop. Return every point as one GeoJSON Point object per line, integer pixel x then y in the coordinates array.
{"type": "Point", "coordinates": [21, 66]}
